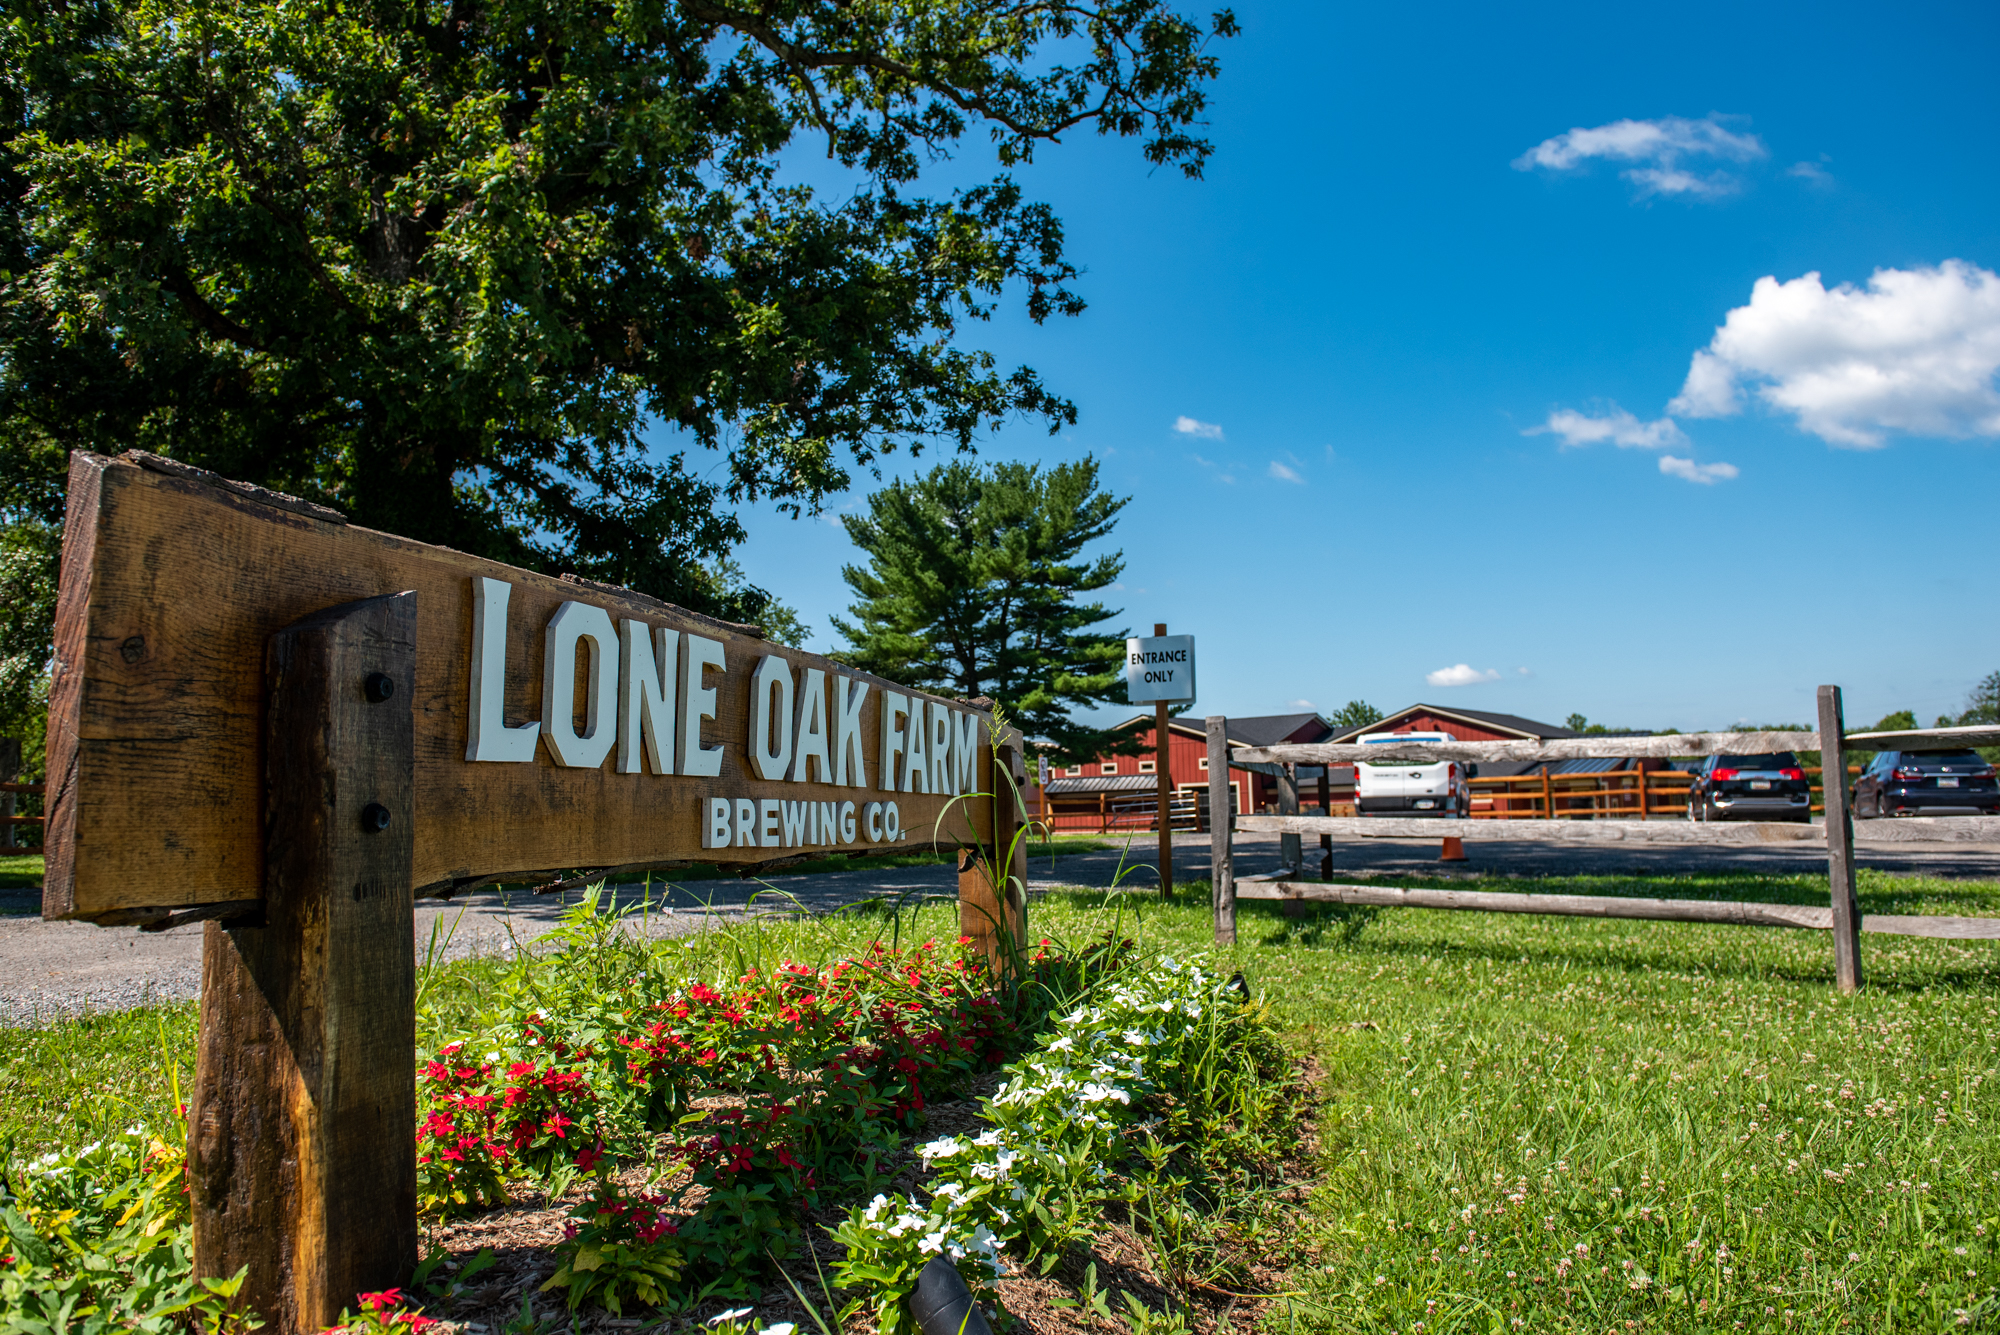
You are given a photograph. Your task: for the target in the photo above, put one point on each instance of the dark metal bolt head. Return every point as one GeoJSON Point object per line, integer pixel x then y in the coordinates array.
{"type": "Point", "coordinates": [378, 686]}
{"type": "Point", "coordinates": [374, 818]}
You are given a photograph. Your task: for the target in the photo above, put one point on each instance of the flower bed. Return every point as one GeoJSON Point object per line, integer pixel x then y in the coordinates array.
{"type": "Point", "coordinates": [692, 1129]}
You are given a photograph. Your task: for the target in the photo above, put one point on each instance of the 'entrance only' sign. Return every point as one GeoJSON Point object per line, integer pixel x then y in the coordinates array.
{"type": "Point", "coordinates": [1159, 667]}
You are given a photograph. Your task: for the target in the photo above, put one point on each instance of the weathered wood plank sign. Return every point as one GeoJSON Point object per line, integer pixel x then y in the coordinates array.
{"type": "Point", "coordinates": [289, 726]}
{"type": "Point", "coordinates": [558, 723]}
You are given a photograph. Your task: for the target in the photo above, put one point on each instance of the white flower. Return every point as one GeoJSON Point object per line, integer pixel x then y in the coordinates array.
{"type": "Point", "coordinates": [875, 1208]}
{"type": "Point", "coordinates": [781, 1328]}
{"type": "Point", "coordinates": [988, 1138]}
{"type": "Point", "coordinates": [733, 1314]}
{"type": "Point", "coordinates": [931, 1242]}
{"type": "Point", "coordinates": [941, 1149]}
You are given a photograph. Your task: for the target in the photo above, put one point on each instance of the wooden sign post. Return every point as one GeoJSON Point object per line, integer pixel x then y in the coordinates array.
{"type": "Point", "coordinates": [290, 727]}
{"type": "Point", "coordinates": [1161, 671]}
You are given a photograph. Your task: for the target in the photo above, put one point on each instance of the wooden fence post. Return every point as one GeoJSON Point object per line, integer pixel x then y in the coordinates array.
{"type": "Point", "coordinates": [1221, 821]}
{"type": "Point", "coordinates": [1288, 805]}
{"type": "Point", "coordinates": [1839, 841]}
{"type": "Point", "coordinates": [1326, 809]}
{"type": "Point", "coordinates": [10, 770]}
{"type": "Point", "coordinates": [302, 1145]}
{"type": "Point", "coordinates": [996, 916]}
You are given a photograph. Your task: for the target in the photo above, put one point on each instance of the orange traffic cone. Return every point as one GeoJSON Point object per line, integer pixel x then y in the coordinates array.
{"type": "Point", "coordinates": [1453, 850]}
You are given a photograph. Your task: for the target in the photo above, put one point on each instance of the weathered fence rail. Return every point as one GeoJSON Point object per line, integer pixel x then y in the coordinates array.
{"type": "Point", "coordinates": [1613, 906]}
{"type": "Point", "coordinates": [1842, 916]}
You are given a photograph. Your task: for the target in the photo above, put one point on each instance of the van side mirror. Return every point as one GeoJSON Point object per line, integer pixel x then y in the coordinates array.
{"type": "Point", "coordinates": [1472, 771]}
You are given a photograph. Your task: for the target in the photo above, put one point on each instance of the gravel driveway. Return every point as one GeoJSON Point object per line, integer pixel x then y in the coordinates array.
{"type": "Point", "coordinates": [51, 969]}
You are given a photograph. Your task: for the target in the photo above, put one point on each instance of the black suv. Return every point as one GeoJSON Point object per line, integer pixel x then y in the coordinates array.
{"type": "Point", "coordinates": [1766, 787]}
{"type": "Point", "coordinates": [1927, 783]}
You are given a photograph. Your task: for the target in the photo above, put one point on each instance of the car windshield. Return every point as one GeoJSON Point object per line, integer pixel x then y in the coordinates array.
{"type": "Point", "coordinates": [1953, 758]}
{"type": "Point", "coordinates": [1770, 760]}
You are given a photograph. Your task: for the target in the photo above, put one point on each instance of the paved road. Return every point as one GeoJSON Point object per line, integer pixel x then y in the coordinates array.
{"type": "Point", "coordinates": [51, 969]}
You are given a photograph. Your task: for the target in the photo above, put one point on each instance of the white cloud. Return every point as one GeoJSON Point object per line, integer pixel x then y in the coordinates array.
{"type": "Point", "coordinates": [1524, 672]}
{"type": "Point", "coordinates": [1461, 675]}
{"type": "Point", "coordinates": [1656, 149]}
{"type": "Point", "coordinates": [1301, 704]}
{"type": "Point", "coordinates": [1810, 172]}
{"type": "Point", "coordinates": [1188, 426]}
{"type": "Point", "coordinates": [1617, 426]}
{"type": "Point", "coordinates": [1706, 474]}
{"type": "Point", "coordinates": [1915, 351]}
{"type": "Point", "coordinates": [1284, 473]}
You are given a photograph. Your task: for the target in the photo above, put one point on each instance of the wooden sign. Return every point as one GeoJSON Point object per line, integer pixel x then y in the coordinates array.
{"type": "Point", "coordinates": [558, 724]}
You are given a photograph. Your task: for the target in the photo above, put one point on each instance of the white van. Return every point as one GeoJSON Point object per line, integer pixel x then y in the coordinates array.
{"type": "Point", "coordinates": [1411, 788]}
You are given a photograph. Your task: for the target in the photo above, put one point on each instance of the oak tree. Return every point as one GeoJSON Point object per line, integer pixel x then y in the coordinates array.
{"type": "Point", "coordinates": [457, 267]}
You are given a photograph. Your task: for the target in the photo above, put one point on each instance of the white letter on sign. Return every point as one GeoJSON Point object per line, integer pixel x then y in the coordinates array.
{"type": "Point", "coordinates": [771, 761]}
{"type": "Point", "coordinates": [846, 823]}
{"type": "Point", "coordinates": [699, 703]}
{"type": "Point", "coordinates": [847, 697]}
{"type": "Point", "coordinates": [715, 834]}
{"type": "Point", "coordinates": [916, 769]}
{"type": "Point", "coordinates": [965, 751]}
{"type": "Point", "coordinates": [487, 735]}
{"type": "Point", "coordinates": [574, 624]}
{"type": "Point", "coordinates": [871, 822]}
{"type": "Point", "coordinates": [942, 774]}
{"type": "Point", "coordinates": [812, 735]}
{"type": "Point", "coordinates": [895, 705]}
{"type": "Point", "coordinates": [646, 663]}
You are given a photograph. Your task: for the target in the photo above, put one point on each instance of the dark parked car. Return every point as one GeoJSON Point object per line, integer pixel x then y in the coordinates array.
{"type": "Point", "coordinates": [1927, 783]}
{"type": "Point", "coordinates": [1766, 787]}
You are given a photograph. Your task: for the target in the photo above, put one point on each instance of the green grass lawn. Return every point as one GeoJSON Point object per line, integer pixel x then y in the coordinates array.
{"type": "Point", "coordinates": [20, 869]}
{"type": "Point", "coordinates": [1541, 1124]}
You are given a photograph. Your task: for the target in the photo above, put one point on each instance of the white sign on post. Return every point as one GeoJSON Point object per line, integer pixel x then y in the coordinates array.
{"type": "Point", "coordinates": [1159, 667]}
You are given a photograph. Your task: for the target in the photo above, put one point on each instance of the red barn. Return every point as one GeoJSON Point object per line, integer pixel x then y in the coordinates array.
{"type": "Point", "coordinates": [1114, 792]}
{"type": "Point", "coordinates": [1468, 725]}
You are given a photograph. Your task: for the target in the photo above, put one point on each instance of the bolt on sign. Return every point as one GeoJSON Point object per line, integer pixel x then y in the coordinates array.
{"type": "Point", "coordinates": [288, 726]}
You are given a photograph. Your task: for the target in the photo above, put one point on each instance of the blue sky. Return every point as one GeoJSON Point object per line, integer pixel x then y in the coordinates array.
{"type": "Point", "coordinates": [1421, 342]}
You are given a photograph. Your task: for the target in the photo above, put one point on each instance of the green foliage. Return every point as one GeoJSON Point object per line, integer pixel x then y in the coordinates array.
{"type": "Point", "coordinates": [1356, 714]}
{"type": "Point", "coordinates": [1982, 705]}
{"type": "Point", "coordinates": [96, 1239]}
{"type": "Point", "coordinates": [1892, 722]}
{"type": "Point", "coordinates": [624, 1249]}
{"type": "Point", "coordinates": [779, 621]}
{"type": "Point", "coordinates": [29, 549]}
{"type": "Point", "coordinates": [444, 267]}
{"type": "Point", "coordinates": [975, 585]}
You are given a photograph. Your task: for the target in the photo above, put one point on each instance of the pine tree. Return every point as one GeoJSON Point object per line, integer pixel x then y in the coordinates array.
{"type": "Point", "coordinates": [976, 584]}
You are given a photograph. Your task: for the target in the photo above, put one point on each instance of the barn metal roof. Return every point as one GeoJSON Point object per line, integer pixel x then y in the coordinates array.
{"type": "Point", "coordinates": [1510, 723]}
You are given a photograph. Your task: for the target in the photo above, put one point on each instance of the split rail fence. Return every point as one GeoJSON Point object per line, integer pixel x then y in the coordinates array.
{"type": "Point", "coordinates": [1841, 916]}
{"type": "Point", "coordinates": [12, 826]}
